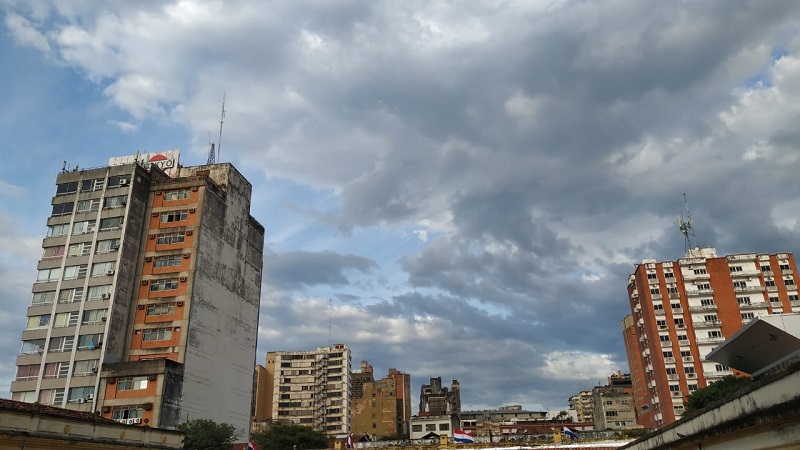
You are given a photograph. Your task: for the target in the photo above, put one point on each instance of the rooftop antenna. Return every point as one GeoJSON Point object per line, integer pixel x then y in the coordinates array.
{"type": "Point", "coordinates": [330, 315]}
{"type": "Point", "coordinates": [690, 241]}
{"type": "Point", "coordinates": [212, 155]}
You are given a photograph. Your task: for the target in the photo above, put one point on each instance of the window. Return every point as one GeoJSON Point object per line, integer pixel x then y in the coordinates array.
{"type": "Point", "coordinates": [667, 354]}
{"type": "Point", "coordinates": [46, 275]}
{"type": "Point", "coordinates": [167, 261]}
{"type": "Point", "coordinates": [26, 396]}
{"type": "Point", "coordinates": [75, 272]}
{"type": "Point", "coordinates": [612, 413]}
{"type": "Point", "coordinates": [86, 367]}
{"type": "Point", "coordinates": [686, 353]}
{"type": "Point", "coordinates": [56, 251]}
{"type": "Point", "coordinates": [703, 287]}
{"type": "Point", "coordinates": [86, 226]}
{"type": "Point", "coordinates": [91, 205]}
{"type": "Point", "coordinates": [131, 383]}
{"type": "Point", "coordinates": [177, 194]}
{"type": "Point", "coordinates": [61, 344]}
{"type": "Point", "coordinates": [156, 334]}
{"type": "Point", "coordinates": [174, 216]}
{"type": "Point", "coordinates": [90, 341]}
{"type": "Point", "coordinates": [674, 388]}
{"type": "Point", "coordinates": [65, 319]}
{"type": "Point", "coordinates": [775, 299]}
{"type": "Point", "coordinates": [416, 428]}
{"type": "Point", "coordinates": [93, 185]}
{"type": "Point", "coordinates": [721, 368]}
{"type": "Point", "coordinates": [67, 188]}
{"type": "Point", "coordinates": [99, 292]}
{"type": "Point", "coordinates": [743, 300]}
{"type": "Point", "coordinates": [60, 209]}
{"type": "Point", "coordinates": [675, 305]}
{"type": "Point", "coordinates": [82, 393]}
{"type": "Point", "coordinates": [748, 316]}
{"type": "Point", "coordinates": [669, 275]}
{"type": "Point", "coordinates": [103, 269]}
{"type": "Point", "coordinates": [655, 291]}
{"type": "Point", "coordinates": [672, 290]}
{"type": "Point", "coordinates": [80, 249]}
{"type": "Point", "coordinates": [710, 318]}
{"type": "Point", "coordinates": [715, 334]}
{"type": "Point", "coordinates": [43, 298]}
{"type": "Point", "coordinates": [430, 427]}
{"type": "Point", "coordinates": [163, 285]}
{"type": "Point", "coordinates": [682, 337]}
{"type": "Point", "coordinates": [769, 283]}
{"type": "Point", "coordinates": [32, 347]}
{"type": "Point", "coordinates": [739, 284]}
{"type": "Point", "coordinates": [679, 322]}
{"type": "Point", "coordinates": [110, 223]}
{"type": "Point", "coordinates": [652, 276]}
{"type": "Point", "coordinates": [56, 370]}
{"type": "Point", "coordinates": [107, 245]}
{"type": "Point", "coordinates": [766, 268]}
{"type": "Point", "coordinates": [163, 309]}
{"type": "Point", "coordinates": [784, 266]}
{"type": "Point", "coordinates": [735, 268]}
{"type": "Point", "coordinates": [788, 281]}
{"type": "Point", "coordinates": [444, 427]}
{"type": "Point", "coordinates": [171, 238]}
{"type": "Point", "coordinates": [792, 298]}
{"type": "Point", "coordinates": [663, 338]}
{"type": "Point", "coordinates": [36, 322]}
{"type": "Point", "coordinates": [688, 369]}
{"type": "Point", "coordinates": [118, 201]}
{"type": "Point", "coordinates": [93, 316]}
{"type": "Point", "coordinates": [28, 372]}
{"type": "Point", "coordinates": [661, 323]}
{"type": "Point", "coordinates": [119, 180]}
{"type": "Point", "coordinates": [58, 230]}
{"type": "Point", "coordinates": [70, 295]}
{"type": "Point", "coordinates": [707, 302]}
{"type": "Point", "coordinates": [700, 271]}
{"type": "Point", "coordinates": [658, 306]}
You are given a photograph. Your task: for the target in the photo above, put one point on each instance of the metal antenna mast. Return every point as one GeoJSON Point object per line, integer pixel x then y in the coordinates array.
{"type": "Point", "coordinates": [211, 157]}
{"type": "Point", "coordinates": [221, 121]}
{"type": "Point", "coordinates": [690, 241]}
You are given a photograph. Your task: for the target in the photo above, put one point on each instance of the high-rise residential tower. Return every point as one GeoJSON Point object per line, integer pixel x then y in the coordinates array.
{"type": "Point", "coordinates": [681, 310]}
{"type": "Point", "coordinates": [309, 388]}
{"type": "Point", "coordinates": [145, 307]}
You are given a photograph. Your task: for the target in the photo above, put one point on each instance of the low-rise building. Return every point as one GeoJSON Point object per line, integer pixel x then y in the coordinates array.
{"type": "Point", "coordinates": [423, 427]}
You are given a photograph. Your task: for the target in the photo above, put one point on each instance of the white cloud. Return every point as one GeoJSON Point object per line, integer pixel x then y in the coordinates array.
{"type": "Point", "coordinates": [25, 33]}
{"type": "Point", "coordinates": [577, 365]}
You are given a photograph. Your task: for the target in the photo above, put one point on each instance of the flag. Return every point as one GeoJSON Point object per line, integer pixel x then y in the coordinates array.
{"type": "Point", "coordinates": [350, 440]}
{"type": "Point", "coordinates": [570, 433]}
{"type": "Point", "coordinates": [463, 437]}
{"type": "Point", "coordinates": [251, 446]}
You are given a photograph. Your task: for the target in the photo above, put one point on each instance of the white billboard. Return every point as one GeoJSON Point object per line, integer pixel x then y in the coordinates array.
{"type": "Point", "coordinates": [166, 160]}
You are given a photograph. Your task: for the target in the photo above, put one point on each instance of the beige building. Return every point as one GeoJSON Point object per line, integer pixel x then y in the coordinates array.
{"type": "Point", "coordinates": [309, 388]}
{"type": "Point", "coordinates": [613, 409]}
{"type": "Point", "coordinates": [432, 426]}
{"type": "Point", "coordinates": [380, 407]}
{"type": "Point", "coordinates": [145, 307]}
{"type": "Point", "coordinates": [583, 405]}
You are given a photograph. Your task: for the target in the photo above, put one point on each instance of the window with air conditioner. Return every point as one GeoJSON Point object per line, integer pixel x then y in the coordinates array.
{"type": "Point", "coordinates": [77, 394]}
{"type": "Point", "coordinates": [103, 269]}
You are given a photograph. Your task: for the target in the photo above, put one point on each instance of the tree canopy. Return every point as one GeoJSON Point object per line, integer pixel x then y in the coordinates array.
{"type": "Point", "coordinates": [723, 388]}
{"type": "Point", "coordinates": [283, 436]}
{"type": "Point", "coordinates": [204, 434]}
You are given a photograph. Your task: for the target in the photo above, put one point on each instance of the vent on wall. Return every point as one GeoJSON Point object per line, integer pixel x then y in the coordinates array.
{"type": "Point", "coordinates": [155, 214]}
{"type": "Point", "coordinates": [182, 278]}
{"type": "Point", "coordinates": [194, 188]}
{"type": "Point", "coordinates": [140, 307]}
{"type": "Point", "coordinates": [188, 232]}
{"type": "Point", "coordinates": [185, 255]}
{"type": "Point", "coordinates": [145, 282]}
{"type": "Point", "coordinates": [148, 258]}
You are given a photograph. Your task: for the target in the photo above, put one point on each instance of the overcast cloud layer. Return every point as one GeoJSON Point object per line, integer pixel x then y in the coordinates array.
{"type": "Point", "coordinates": [454, 189]}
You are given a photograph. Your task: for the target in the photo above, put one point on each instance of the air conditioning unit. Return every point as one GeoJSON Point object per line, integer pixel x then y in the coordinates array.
{"type": "Point", "coordinates": [191, 210]}
{"type": "Point", "coordinates": [188, 232]}
{"type": "Point", "coordinates": [186, 255]}
{"type": "Point", "coordinates": [110, 272]}
{"type": "Point", "coordinates": [148, 258]}
{"type": "Point", "coordinates": [81, 400]}
{"type": "Point", "coordinates": [182, 279]}
{"type": "Point", "coordinates": [90, 397]}
{"type": "Point", "coordinates": [103, 319]}
{"type": "Point", "coordinates": [94, 369]}
{"type": "Point", "coordinates": [115, 247]}
{"type": "Point", "coordinates": [123, 182]}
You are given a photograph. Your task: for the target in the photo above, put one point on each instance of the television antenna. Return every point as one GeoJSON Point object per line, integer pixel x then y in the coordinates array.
{"type": "Point", "coordinates": [212, 154]}
{"type": "Point", "coordinates": [690, 240]}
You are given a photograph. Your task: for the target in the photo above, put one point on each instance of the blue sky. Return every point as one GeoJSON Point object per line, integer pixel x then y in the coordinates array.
{"type": "Point", "coordinates": [451, 190]}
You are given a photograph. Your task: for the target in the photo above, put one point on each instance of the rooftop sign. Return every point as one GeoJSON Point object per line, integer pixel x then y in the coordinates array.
{"type": "Point", "coordinates": [166, 160]}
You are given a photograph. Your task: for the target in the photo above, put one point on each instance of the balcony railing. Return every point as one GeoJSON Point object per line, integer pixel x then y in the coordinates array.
{"type": "Point", "coordinates": [745, 273]}
{"type": "Point", "coordinates": [703, 308]}
{"type": "Point", "coordinates": [696, 276]}
{"type": "Point", "coordinates": [748, 289]}
{"type": "Point", "coordinates": [711, 340]}
{"type": "Point", "coordinates": [745, 257]}
{"type": "Point", "coordinates": [707, 324]}
{"type": "Point", "coordinates": [753, 305]}
{"type": "Point", "coordinates": [696, 292]}
{"type": "Point", "coordinates": [717, 374]}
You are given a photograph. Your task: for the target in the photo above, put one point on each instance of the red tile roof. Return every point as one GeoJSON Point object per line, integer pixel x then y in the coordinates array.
{"type": "Point", "coordinates": [51, 411]}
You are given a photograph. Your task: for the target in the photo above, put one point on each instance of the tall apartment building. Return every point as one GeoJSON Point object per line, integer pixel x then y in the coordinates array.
{"type": "Point", "coordinates": [583, 405]}
{"type": "Point", "coordinates": [309, 388]}
{"type": "Point", "coordinates": [436, 400]}
{"type": "Point", "coordinates": [145, 307]}
{"type": "Point", "coordinates": [380, 407]}
{"type": "Point", "coordinates": [681, 310]}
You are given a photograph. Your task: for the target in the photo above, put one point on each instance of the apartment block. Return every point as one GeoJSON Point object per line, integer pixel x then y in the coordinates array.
{"type": "Point", "coordinates": [583, 405]}
{"type": "Point", "coordinates": [309, 388]}
{"type": "Point", "coordinates": [436, 400]}
{"type": "Point", "coordinates": [380, 407]}
{"type": "Point", "coordinates": [145, 307]}
{"type": "Point", "coordinates": [681, 310]}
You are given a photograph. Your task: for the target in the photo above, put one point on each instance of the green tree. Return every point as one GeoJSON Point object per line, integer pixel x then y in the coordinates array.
{"type": "Point", "coordinates": [726, 386]}
{"type": "Point", "coordinates": [204, 434]}
{"type": "Point", "coordinates": [282, 436]}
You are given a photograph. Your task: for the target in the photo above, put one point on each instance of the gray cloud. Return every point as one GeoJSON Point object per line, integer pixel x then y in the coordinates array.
{"type": "Point", "coordinates": [297, 269]}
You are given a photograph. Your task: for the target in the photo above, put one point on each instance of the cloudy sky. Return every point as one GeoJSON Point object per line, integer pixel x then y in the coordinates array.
{"type": "Point", "coordinates": [454, 189]}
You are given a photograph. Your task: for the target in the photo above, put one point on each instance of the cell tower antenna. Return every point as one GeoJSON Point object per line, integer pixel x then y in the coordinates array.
{"type": "Point", "coordinates": [690, 241]}
{"type": "Point", "coordinates": [221, 122]}
{"type": "Point", "coordinates": [330, 316]}
{"type": "Point", "coordinates": [211, 157]}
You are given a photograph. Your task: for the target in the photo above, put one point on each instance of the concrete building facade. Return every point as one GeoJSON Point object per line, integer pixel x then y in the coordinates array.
{"type": "Point", "coordinates": [145, 308]}
{"type": "Point", "coordinates": [681, 310]}
{"type": "Point", "coordinates": [436, 400]}
{"type": "Point", "coordinates": [583, 405]}
{"type": "Point", "coordinates": [380, 407]}
{"type": "Point", "coordinates": [309, 388]}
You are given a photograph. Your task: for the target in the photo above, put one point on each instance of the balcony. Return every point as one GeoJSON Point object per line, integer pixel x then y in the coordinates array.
{"type": "Point", "coordinates": [691, 376]}
{"type": "Point", "coordinates": [669, 360]}
{"type": "Point", "coordinates": [676, 393]}
{"type": "Point", "coordinates": [717, 374]}
{"type": "Point", "coordinates": [672, 376]}
{"type": "Point", "coordinates": [748, 289]}
{"type": "Point", "coordinates": [690, 261]}
{"type": "Point", "coordinates": [703, 308]}
{"type": "Point", "coordinates": [745, 273]}
{"type": "Point", "coordinates": [698, 292]}
{"type": "Point", "coordinates": [674, 295]}
{"type": "Point", "coordinates": [711, 340]}
{"type": "Point", "coordinates": [660, 312]}
{"type": "Point", "coordinates": [753, 305]}
{"type": "Point", "coordinates": [786, 271]}
{"type": "Point", "coordinates": [688, 359]}
{"type": "Point", "coordinates": [707, 324]}
{"type": "Point", "coordinates": [666, 343]}
{"type": "Point", "coordinates": [795, 302]}
{"type": "Point", "coordinates": [744, 257]}
{"type": "Point", "coordinates": [696, 276]}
